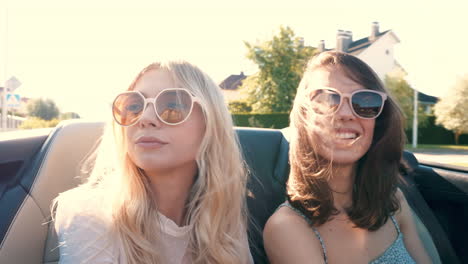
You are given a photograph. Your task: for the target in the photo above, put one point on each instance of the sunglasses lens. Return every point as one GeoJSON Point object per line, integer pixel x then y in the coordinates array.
{"type": "Point", "coordinates": [174, 106]}
{"type": "Point", "coordinates": [367, 104]}
{"type": "Point", "coordinates": [325, 101]}
{"type": "Point", "coordinates": [127, 108]}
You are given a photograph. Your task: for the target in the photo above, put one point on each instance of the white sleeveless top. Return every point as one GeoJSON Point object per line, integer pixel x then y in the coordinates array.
{"type": "Point", "coordinates": [83, 235]}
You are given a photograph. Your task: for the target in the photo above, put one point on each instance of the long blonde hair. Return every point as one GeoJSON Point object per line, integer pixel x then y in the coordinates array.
{"type": "Point", "coordinates": [216, 205]}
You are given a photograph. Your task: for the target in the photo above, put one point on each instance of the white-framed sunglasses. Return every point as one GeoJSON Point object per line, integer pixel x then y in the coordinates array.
{"type": "Point", "coordinates": [365, 103]}
{"type": "Point", "coordinates": [172, 106]}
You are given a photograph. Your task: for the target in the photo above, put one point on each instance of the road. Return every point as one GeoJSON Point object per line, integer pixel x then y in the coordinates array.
{"type": "Point", "coordinates": [454, 157]}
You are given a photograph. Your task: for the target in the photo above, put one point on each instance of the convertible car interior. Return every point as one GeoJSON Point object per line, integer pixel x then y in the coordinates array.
{"type": "Point", "coordinates": [36, 165]}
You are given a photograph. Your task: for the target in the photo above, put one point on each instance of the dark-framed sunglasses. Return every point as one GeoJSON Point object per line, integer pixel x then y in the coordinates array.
{"type": "Point", "coordinates": [366, 104]}
{"type": "Point", "coordinates": [172, 106]}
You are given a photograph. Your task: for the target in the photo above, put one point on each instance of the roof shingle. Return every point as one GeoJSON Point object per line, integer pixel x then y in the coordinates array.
{"type": "Point", "coordinates": [232, 82]}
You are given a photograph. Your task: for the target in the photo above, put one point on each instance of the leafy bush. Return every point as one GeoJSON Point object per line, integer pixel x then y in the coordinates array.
{"type": "Point", "coordinates": [43, 108]}
{"type": "Point", "coordinates": [429, 134]}
{"type": "Point", "coordinates": [69, 115]}
{"type": "Point", "coordinates": [239, 106]}
{"type": "Point", "coordinates": [35, 122]}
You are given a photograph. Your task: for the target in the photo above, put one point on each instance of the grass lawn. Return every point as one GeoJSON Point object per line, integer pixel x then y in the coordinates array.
{"type": "Point", "coordinates": [462, 164]}
{"type": "Point", "coordinates": [460, 151]}
{"type": "Point", "coordinates": [437, 147]}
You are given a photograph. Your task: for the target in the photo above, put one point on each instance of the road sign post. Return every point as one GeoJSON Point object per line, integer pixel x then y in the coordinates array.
{"type": "Point", "coordinates": [13, 100]}
{"type": "Point", "coordinates": [10, 85]}
{"type": "Point", "coordinates": [4, 110]}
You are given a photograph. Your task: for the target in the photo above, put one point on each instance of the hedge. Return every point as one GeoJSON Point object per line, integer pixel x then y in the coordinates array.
{"type": "Point", "coordinates": [274, 120]}
{"type": "Point", "coordinates": [428, 134]}
{"type": "Point", "coordinates": [435, 134]}
{"type": "Point", "coordinates": [35, 122]}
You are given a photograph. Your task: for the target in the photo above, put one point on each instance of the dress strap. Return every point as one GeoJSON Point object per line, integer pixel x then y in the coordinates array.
{"type": "Point", "coordinates": [396, 224]}
{"type": "Point", "coordinates": [317, 234]}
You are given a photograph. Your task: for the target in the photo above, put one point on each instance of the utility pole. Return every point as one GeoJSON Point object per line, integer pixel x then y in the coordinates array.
{"type": "Point", "coordinates": [4, 106]}
{"type": "Point", "coordinates": [4, 110]}
{"type": "Point", "coordinates": [415, 119]}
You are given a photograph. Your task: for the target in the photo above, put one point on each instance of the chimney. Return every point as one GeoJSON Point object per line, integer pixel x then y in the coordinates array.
{"type": "Point", "coordinates": [301, 42]}
{"type": "Point", "coordinates": [374, 31]}
{"type": "Point", "coordinates": [321, 46]}
{"type": "Point", "coordinates": [350, 36]}
{"type": "Point", "coordinates": [343, 40]}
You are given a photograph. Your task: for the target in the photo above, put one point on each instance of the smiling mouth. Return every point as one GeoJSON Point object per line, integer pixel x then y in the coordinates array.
{"type": "Point", "coordinates": [346, 138]}
{"type": "Point", "coordinates": [347, 135]}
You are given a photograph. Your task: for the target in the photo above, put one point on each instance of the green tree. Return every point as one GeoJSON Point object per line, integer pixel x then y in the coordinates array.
{"type": "Point", "coordinates": [452, 111]}
{"type": "Point", "coordinates": [45, 109]}
{"type": "Point", "coordinates": [281, 62]}
{"type": "Point", "coordinates": [403, 93]}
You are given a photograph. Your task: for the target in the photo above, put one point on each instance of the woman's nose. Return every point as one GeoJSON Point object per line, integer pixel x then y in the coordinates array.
{"type": "Point", "coordinates": [345, 111]}
{"type": "Point", "coordinates": [149, 117]}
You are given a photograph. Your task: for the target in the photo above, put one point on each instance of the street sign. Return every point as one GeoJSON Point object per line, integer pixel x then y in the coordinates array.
{"type": "Point", "coordinates": [13, 100]}
{"type": "Point", "coordinates": [12, 83]}
{"type": "Point", "coordinates": [9, 100]}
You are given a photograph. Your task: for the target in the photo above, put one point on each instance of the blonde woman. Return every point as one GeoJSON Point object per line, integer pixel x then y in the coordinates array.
{"type": "Point", "coordinates": [343, 205]}
{"type": "Point", "coordinates": [168, 183]}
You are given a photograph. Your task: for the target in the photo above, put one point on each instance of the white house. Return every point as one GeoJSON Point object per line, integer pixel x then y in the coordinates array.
{"type": "Point", "coordinates": [377, 49]}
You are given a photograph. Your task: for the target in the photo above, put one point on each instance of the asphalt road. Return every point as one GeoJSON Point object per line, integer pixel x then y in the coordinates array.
{"type": "Point", "coordinates": [454, 157]}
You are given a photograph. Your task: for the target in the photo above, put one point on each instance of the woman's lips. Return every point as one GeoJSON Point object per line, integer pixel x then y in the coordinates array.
{"type": "Point", "coordinates": [346, 136]}
{"type": "Point", "coordinates": [346, 133]}
{"type": "Point", "coordinates": [150, 142]}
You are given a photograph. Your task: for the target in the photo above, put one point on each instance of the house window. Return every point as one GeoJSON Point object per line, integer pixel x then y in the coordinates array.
{"type": "Point", "coordinates": [428, 110]}
{"type": "Point", "coordinates": [387, 52]}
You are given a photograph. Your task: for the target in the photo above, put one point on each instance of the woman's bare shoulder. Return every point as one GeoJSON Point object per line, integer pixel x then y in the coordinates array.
{"type": "Point", "coordinates": [404, 213]}
{"type": "Point", "coordinates": [288, 238]}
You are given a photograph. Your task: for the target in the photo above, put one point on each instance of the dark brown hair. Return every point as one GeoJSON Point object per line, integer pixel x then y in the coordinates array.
{"type": "Point", "coordinates": [374, 193]}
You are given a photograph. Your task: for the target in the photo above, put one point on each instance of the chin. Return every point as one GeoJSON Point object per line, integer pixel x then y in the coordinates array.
{"type": "Point", "coordinates": [343, 157]}
{"type": "Point", "coordinates": [152, 165]}
{"type": "Point", "coordinates": [344, 161]}
{"type": "Point", "coordinates": [145, 162]}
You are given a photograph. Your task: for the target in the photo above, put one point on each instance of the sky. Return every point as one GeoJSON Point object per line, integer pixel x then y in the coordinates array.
{"type": "Point", "coordinates": [82, 53]}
